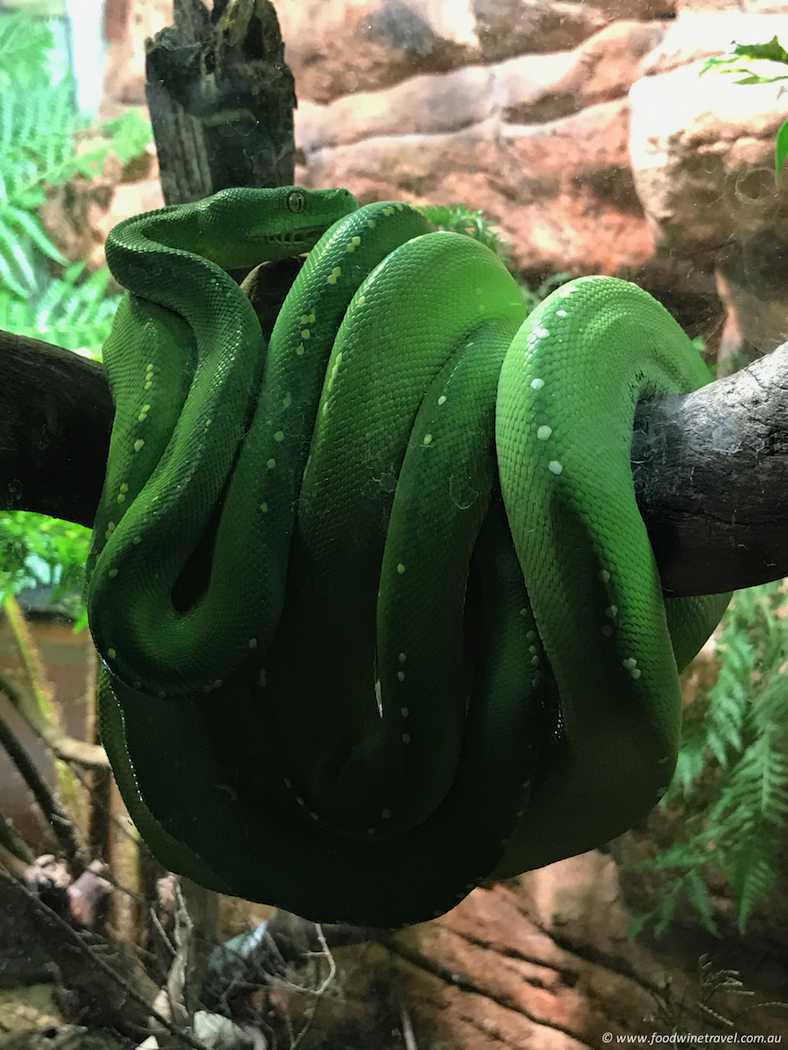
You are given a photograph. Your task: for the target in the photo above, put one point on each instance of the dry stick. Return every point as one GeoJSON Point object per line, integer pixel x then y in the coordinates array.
{"type": "Point", "coordinates": [43, 695]}
{"type": "Point", "coordinates": [318, 992]}
{"type": "Point", "coordinates": [54, 812]}
{"type": "Point", "coordinates": [66, 748]}
{"type": "Point", "coordinates": [92, 959]}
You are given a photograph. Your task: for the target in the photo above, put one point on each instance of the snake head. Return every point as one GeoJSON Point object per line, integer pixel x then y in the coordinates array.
{"type": "Point", "coordinates": [258, 225]}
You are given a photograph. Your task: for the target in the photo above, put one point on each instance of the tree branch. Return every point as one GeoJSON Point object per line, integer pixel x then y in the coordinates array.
{"type": "Point", "coordinates": [54, 429]}
{"type": "Point", "coordinates": [711, 478]}
{"type": "Point", "coordinates": [710, 468]}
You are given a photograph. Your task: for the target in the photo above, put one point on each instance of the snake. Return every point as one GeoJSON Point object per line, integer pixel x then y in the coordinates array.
{"type": "Point", "coordinates": [378, 617]}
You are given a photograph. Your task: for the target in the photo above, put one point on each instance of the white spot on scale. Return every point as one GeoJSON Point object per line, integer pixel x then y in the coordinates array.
{"type": "Point", "coordinates": [401, 676]}
{"type": "Point", "coordinates": [561, 313]}
{"type": "Point", "coordinates": [427, 439]}
{"type": "Point", "coordinates": [544, 432]}
{"type": "Point", "coordinates": [138, 444]}
{"type": "Point", "coordinates": [400, 568]}
{"type": "Point", "coordinates": [406, 738]}
{"type": "Point", "coordinates": [540, 331]}
{"type": "Point", "coordinates": [332, 277]}
{"type": "Point", "coordinates": [402, 658]}
{"type": "Point", "coordinates": [555, 466]}
{"type": "Point", "coordinates": [631, 665]}
{"type": "Point", "coordinates": [604, 575]}
{"type": "Point", "coordinates": [442, 399]}
{"type": "Point", "coordinates": [537, 384]}
{"type": "Point", "coordinates": [111, 654]}
{"type": "Point", "coordinates": [404, 712]}
{"type": "Point", "coordinates": [112, 573]}
{"type": "Point", "coordinates": [611, 612]}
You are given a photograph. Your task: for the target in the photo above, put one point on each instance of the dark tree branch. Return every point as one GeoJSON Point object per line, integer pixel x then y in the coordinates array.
{"type": "Point", "coordinates": [710, 468]}
{"type": "Point", "coordinates": [711, 477]}
{"type": "Point", "coordinates": [54, 429]}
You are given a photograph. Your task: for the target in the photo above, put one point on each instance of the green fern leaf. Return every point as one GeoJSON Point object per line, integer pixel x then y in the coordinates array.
{"type": "Point", "coordinates": [32, 227]}
{"type": "Point", "coordinates": [698, 896]}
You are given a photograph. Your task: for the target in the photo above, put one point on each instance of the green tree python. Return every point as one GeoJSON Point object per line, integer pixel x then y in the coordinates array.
{"type": "Point", "coordinates": [378, 616]}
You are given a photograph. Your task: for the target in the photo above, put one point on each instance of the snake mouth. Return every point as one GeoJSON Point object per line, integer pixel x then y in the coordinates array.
{"type": "Point", "coordinates": [303, 238]}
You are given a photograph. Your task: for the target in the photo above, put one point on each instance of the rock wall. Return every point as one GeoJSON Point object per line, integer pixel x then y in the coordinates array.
{"type": "Point", "coordinates": [583, 129]}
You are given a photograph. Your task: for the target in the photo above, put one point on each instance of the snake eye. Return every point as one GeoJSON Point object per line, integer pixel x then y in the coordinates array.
{"type": "Point", "coordinates": [296, 201]}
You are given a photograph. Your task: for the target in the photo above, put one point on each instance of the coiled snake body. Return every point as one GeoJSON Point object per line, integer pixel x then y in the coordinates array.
{"type": "Point", "coordinates": [378, 613]}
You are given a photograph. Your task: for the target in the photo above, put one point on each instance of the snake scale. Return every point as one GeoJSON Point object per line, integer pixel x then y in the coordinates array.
{"type": "Point", "coordinates": [379, 618]}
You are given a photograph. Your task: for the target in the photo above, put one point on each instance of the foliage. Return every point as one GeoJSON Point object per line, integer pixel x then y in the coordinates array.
{"type": "Point", "coordinates": [38, 125]}
{"type": "Point", "coordinates": [460, 219]}
{"type": "Point", "coordinates": [757, 64]}
{"type": "Point", "coordinates": [72, 313]}
{"type": "Point", "coordinates": [37, 551]}
{"type": "Point", "coordinates": [732, 773]}
{"type": "Point", "coordinates": [38, 130]}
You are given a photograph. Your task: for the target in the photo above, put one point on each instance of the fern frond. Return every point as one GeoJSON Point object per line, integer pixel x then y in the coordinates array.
{"type": "Point", "coordinates": [758, 786]}
{"type": "Point", "coordinates": [72, 312]}
{"type": "Point", "coordinates": [755, 876]}
{"type": "Point", "coordinates": [34, 230]}
{"type": "Point", "coordinates": [738, 737]}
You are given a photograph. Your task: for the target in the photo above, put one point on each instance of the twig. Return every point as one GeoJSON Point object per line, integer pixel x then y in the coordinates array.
{"type": "Point", "coordinates": [54, 812]}
{"type": "Point", "coordinates": [407, 1027]}
{"type": "Point", "coordinates": [319, 992]}
{"type": "Point", "coordinates": [92, 960]}
{"type": "Point", "coordinates": [66, 748]}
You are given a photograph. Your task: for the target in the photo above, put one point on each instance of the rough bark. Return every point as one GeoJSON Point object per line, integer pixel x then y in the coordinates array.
{"type": "Point", "coordinates": [710, 468]}
{"type": "Point", "coordinates": [221, 99]}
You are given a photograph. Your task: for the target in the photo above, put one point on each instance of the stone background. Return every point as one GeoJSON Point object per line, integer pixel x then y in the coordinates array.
{"type": "Point", "coordinates": [582, 129]}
